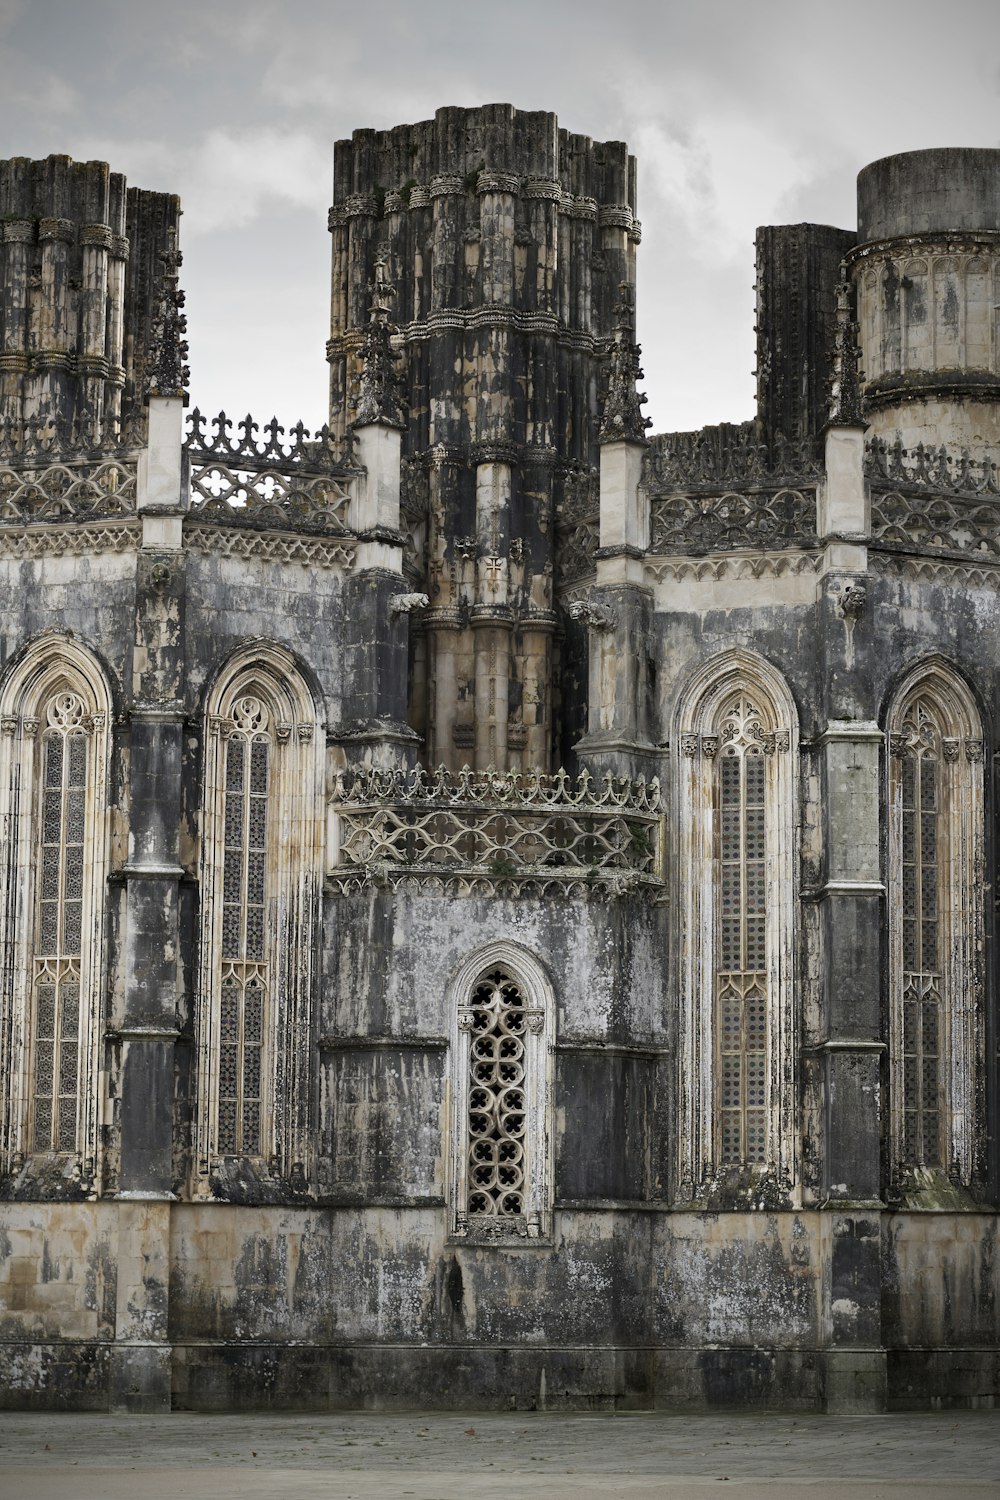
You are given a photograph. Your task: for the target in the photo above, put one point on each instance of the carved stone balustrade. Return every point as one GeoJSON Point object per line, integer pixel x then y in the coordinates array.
{"type": "Point", "coordinates": [258, 479]}
{"type": "Point", "coordinates": [932, 501]}
{"type": "Point", "coordinates": [61, 471]}
{"type": "Point", "coordinates": [485, 831]}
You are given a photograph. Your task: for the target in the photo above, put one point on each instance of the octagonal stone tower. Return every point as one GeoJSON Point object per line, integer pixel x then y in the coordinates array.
{"type": "Point", "coordinates": [505, 242]}
{"type": "Point", "coordinates": [80, 270]}
{"type": "Point", "coordinates": [927, 272]}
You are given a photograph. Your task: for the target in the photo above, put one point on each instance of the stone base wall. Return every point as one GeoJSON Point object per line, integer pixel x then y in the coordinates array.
{"type": "Point", "coordinates": [331, 1308]}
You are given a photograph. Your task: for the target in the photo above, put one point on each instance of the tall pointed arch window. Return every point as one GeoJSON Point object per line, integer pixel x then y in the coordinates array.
{"type": "Point", "coordinates": [501, 1172]}
{"type": "Point", "coordinates": [935, 924]}
{"type": "Point", "coordinates": [54, 766]}
{"type": "Point", "coordinates": [736, 828]}
{"type": "Point", "coordinates": [261, 883]}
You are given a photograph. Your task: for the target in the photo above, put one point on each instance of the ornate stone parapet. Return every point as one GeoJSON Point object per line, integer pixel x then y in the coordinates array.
{"type": "Point", "coordinates": [505, 829]}
{"type": "Point", "coordinates": [267, 478]}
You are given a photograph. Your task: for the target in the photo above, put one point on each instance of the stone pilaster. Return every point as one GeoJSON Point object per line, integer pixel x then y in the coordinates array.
{"type": "Point", "coordinates": [147, 1030]}
{"type": "Point", "coordinates": [852, 918]}
{"type": "Point", "coordinates": [377, 605]}
{"type": "Point", "coordinates": [619, 619]}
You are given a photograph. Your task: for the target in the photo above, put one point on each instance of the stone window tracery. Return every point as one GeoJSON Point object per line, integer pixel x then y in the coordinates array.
{"type": "Point", "coordinates": [736, 828]}
{"type": "Point", "coordinates": [741, 978]}
{"type": "Point", "coordinates": [244, 990]}
{"type": "Point", "coordinates": [262, 853]}
{"type": "Point", "coordinates": [935, 924]}
{"type": "Point", "coordinates": [501, 1135]}
{"type": "Point", "coordinates": [55, 1023]}
{"type": "Point", "coordinates": [54, 714]}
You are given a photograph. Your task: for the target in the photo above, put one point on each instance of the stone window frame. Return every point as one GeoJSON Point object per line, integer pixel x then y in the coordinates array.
{"type": "Point", "coordinates": [701, 708]}
{"type": "Point", "coordinates": [961, 1042]}
{"type": "Point", "coordinates": [296, 850]}
{"type": "Point", "coordinates": [530, 976]}
{"type": "Point", "coordinates": [51, 666]}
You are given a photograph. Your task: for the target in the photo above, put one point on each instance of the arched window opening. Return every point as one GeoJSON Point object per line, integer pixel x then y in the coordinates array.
{"type": "Point", "coordinates": [935, 925]}
{"type": "Point", "coordinates": [261, 866]}
{"type": "Point", "coordinates": [735, 822]}
{"type": "Point", "coordinates": [501, 1168]}
{"type": "Point", "coordinates": [54, 716]}
{"type": "Point", "coordinates": [243, 1019]}
{"type": "Point", "coordinates": [499, 1154]}
{"type": "Point", "coordinates": [741, 978]}
{"type": "Point", "coordinates": [55, 1021]}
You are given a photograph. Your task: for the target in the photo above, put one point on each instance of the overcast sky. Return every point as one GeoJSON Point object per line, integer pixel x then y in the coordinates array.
{"type": "Point", "coordinates": [739, 113]}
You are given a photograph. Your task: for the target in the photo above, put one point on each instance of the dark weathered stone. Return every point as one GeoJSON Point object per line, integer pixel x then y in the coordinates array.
{"type": "Point", "coordinates": [467, 569]}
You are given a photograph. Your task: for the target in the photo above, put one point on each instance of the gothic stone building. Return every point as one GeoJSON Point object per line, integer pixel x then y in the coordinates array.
{"type": "Point", "coordinates": [497, 907]}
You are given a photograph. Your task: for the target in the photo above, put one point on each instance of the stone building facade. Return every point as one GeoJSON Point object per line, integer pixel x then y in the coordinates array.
{"type": "Point", "coordinates": [497, 907]}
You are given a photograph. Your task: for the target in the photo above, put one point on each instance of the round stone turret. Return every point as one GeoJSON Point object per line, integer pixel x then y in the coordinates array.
{"type": "Point", "coordinates": [927, 271]}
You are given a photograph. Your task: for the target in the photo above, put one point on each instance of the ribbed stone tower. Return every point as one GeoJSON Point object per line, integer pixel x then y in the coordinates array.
{"type": "Point", "coordinates": [927, 271]}
{"type": "Point", "coordinates": [80, 268]}
{"type": "Point", "coordinates": [506, 242]}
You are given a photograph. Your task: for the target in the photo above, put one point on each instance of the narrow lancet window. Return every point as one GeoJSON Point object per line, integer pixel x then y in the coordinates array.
{"type": "Point", "coordinates": [261, 874]}
{"type": "Point", "coordinates": [736, 734]}
{"type": "Point", "coordinates": [921, 906]}
{"type": "Point", "coordinates": [935, 926]}
{"type": "Point", "coordinates": [54, 763]}
{"type": "Point", "coordinates": [741, 979]}
{"type": "Point", "coordinates": [244, 905]}
{"type": "Point", "coordinates": [56, 965]}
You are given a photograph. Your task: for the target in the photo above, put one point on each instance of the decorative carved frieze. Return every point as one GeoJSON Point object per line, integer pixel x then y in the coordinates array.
{"type": "Point", "coordinates": [692, 523]}
{"type": "Point", "coordinates": [223, 540]}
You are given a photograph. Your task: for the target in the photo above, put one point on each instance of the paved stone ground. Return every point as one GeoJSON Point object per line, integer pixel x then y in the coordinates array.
{"type": "Point", "coordinates": [453, 1457]}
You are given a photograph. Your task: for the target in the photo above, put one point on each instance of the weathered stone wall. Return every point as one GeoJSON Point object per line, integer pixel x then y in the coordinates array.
{"type": "Point", "coordinates": [342, 1269]}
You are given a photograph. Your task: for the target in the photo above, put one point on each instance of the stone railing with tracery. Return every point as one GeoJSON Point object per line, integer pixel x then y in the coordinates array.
{"type": "Point", "coordinates": [728, 457]}
{"type": "Point", "coordinates": [928, 500]}
{"type": "Point", "coordinates": [480, 831]}
{"type": "Point", "coordinates": [67, 471]}
{"type": "Point", "coordinates": [930, 469]}
{"type": "Point", "coordinates": [267, 478]}
{"type": "Point", "coordinates": [726, 488]}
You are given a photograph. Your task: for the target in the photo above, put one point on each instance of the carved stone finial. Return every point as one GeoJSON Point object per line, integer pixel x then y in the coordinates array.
{"type": "Point", "coordinates": [378, 396]}
{"type": "Point", "coordinates": [623, 419]}
{"type": "Point", "coordinates": [845, 393]}
{"type": "Point", "coordinates": [167, 373]}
